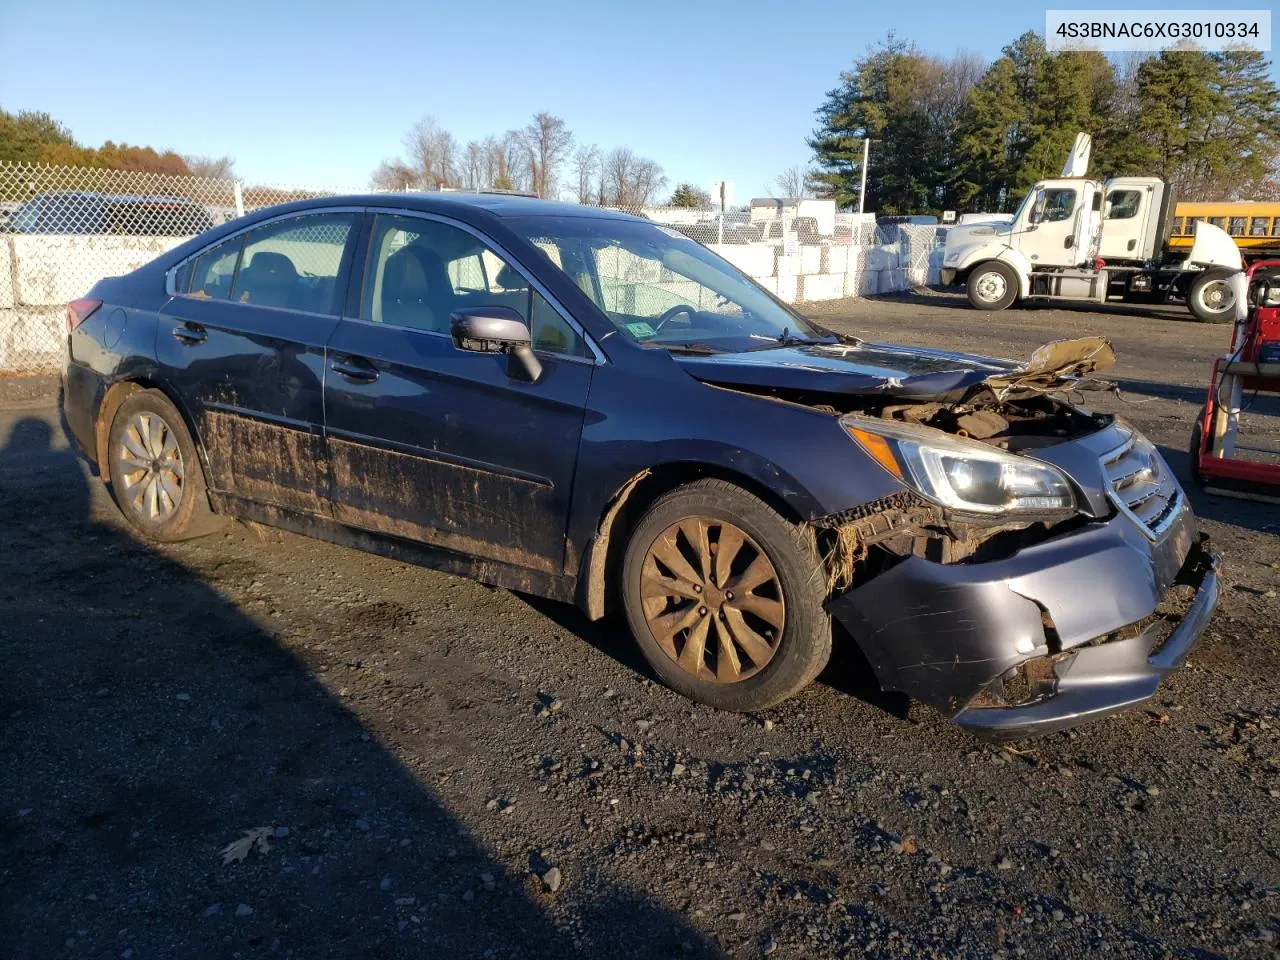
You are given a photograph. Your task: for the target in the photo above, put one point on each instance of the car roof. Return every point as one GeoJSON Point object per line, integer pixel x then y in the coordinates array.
{"type": "Point", "coordinates": [500, 205]}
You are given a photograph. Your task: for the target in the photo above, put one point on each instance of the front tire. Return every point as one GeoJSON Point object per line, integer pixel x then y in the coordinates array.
{"type": "Point", "coordinates": [1210, 299]}
{"type": "Point", "coordinates": [725, 598]}
{"type": "Point", "coordinates": [992, 286]}
{"type": "Point", "coordinates": [155, 471]}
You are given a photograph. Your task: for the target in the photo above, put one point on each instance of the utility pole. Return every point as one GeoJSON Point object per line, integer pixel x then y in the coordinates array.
{"type": "Point", "coordinates": [866, 156]}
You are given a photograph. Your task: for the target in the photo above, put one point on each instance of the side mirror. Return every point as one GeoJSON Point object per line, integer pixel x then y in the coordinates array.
{"type": "Point", "coordinates": [1037, 208]}
{"type": "Point", "coordinates": [496, 330]}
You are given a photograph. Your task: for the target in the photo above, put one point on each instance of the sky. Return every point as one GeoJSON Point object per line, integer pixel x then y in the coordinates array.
{"type": "Point", "coordinates": [317, 93]}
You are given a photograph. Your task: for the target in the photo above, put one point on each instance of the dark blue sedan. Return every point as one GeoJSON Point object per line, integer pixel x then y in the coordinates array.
{"type": "Point", "coordinates": [594, 408]}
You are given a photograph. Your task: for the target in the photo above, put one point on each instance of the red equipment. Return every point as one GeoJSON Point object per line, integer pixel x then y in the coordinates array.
{"type": "Point", "coordinates": [1252, 366]}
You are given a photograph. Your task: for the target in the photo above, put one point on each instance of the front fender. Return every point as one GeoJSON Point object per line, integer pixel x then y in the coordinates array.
{"type": "Point", "coordinates": [1019, 262]}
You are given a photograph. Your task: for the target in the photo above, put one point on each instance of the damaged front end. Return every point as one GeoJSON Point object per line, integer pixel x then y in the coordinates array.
{"type": "Point", "coordinates": [1039, 569]}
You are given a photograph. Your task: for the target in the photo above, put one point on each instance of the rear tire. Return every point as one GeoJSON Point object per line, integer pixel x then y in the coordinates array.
{"type": "Point", "coordinates": [743, 651]}
{"type": "Point", "coordinates": [156, 476]}
{"type": "Point", "coordinates": [992, 286]}
{"type": "Point", "coordinates": [1210, 299]}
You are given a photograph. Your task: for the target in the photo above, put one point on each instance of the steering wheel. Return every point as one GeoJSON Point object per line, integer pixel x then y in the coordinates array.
{"type": "Point", "coordinates": [671, 313]}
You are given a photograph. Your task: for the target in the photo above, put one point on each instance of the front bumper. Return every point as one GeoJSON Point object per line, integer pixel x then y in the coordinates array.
{"type": "Point", "coordinates": [947, 275]}
{"type": "Point", "coordinates": [944, 633]}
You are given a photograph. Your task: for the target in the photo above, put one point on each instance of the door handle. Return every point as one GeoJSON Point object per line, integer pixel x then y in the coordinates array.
{"type": "Point", "coordinates": [354, 369]}
{"type": "Point", "coordinates": [190, 333]}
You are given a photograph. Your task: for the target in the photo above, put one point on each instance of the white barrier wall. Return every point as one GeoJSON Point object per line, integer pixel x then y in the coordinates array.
{"type": "Point", "coordinates": [41, 274]}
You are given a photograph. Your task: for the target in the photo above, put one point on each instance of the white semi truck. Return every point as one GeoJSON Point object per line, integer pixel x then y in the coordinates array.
{"type": "Point", "coordinates": [1078, 239]}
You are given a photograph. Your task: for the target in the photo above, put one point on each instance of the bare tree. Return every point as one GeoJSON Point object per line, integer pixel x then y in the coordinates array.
{"type": "Point", "coordinates": [629, 181]}
{"type": "Point", "coordinates": [794, 182]}
{"type": "Point", "coordinates": [547, 141]}
{"type": "Point", "coordinates": [586, 166]}
{"type": "Point", "coordinates": [433, 151]}
{"type": "Point", "coordinates": [217, 168]}
{"type": "Point", "coordinates": [395, 175]}
{"type": "Point", "coordinates": [472, 167]}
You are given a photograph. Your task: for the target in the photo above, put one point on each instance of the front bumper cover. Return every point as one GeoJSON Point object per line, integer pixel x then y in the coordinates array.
{"type": "Point", "coordinates": [943, 633]}
{"type": "Point", "coordinates": [947, 275]}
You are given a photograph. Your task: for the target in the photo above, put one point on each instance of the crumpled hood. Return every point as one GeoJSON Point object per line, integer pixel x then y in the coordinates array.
{"type": "Point", "coordinates": [911, 373]}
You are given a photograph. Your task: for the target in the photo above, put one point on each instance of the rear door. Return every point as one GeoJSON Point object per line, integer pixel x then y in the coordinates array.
{"type": "Point", "coordinates": [434, 443]}
{"type": "Point", "coordinates": [244, 344]}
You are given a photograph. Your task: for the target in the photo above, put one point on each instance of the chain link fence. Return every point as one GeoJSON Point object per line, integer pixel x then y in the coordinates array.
{"type": "Point", "coordinates": [64, 228]}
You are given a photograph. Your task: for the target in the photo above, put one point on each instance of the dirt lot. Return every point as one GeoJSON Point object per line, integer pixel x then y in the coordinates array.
{"type": "Point", "coordinates": [425, 750]}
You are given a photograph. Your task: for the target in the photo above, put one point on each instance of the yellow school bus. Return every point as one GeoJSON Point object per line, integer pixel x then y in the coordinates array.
{"type": "Point", "coordinates": [1255, 226]}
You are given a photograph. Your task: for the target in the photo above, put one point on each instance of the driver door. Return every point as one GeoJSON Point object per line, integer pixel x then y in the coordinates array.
{"type": "Point", "coordinates": [437, 444]}
{"type": "Point", "coordinates": [1051, 236]}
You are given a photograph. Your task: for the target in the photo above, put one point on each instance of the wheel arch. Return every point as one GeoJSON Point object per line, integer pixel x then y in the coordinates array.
{"type": "Point", "coordinates": [597, 589]}
{"type": "Point", "coordinates": [115, 396]}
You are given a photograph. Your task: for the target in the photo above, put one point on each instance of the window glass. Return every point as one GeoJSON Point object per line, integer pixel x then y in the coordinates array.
{"type": "Point", "coordinates": [294, 263]}
{"type": "Point", "coordinates": [551, 332]}
{"type": "Point", "coordinates": [659, 288]}
{"type": "Point", "coordinates": [1177, 226]}
{"type": "Point", "coordinates": [214, 271]}
{"type": "Point", "coordinates": [1258, 228]}
{"type": "Point", "coordinates": [1275, 227]}
{"type": "Point", "coordinates": [1124, 204]}
{"type": "Point", "coordinates": [1059, 204]}
{"type": "Point", "coordinates": [1218, 221]}
{"type": "Point", "coordinates": [1237, 226]}
{"type": "Point", "coordinates": [423, 270]}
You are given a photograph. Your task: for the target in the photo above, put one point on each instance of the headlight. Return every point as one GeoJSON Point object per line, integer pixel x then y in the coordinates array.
{"type": "Point", "coordinates": [963, 475]}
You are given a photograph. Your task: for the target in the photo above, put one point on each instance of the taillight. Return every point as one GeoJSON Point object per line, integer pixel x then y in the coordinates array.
{"type": "Point", "coordinates": [78, 311]}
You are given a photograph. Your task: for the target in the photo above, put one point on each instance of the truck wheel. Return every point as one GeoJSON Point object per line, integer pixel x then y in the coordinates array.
{"type": "Point", "coordinates": [1210, 297]}
{"type": "Point", "coordinates": [992, 286]}
{"type": "Point", "coordinates": [725, 597]}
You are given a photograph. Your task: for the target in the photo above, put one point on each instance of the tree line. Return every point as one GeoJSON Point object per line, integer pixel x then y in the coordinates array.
{"type": "Point", "coordinates": [541, 158]}
{"type": "Point", "coordinates": [955, 133]}
{"type": "Point", "coordinates": [31, 136]}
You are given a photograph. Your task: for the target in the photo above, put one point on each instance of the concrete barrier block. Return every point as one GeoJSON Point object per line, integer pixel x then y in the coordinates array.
{"type": "Point", "coordinates": [837, 258]}
{"type": "Point", "coordinates": [881, 258]}
{"type": "Point", "coordinates": [851, 280]}
{"type": "Point", "coordinates": [54, 270]}
{"type": "Point", "coordinates": [810, 259]}
{"type": "Point", "coordinates": [769, 283]}
{"type": "Point", "coordinates": [32, 339]}
{"type": "Point", "coordinates": [753, 259]}
{"type": "Point", "coordinates": [788, 265]}
{"type": "Point", "coordinates": [788, 288]}
{"type": "Point", "coordinates": [6, 274]}
{"type": "Point", "coordinates": [823, 286]}
{"type": "Point", "coordinates": [869, 283]}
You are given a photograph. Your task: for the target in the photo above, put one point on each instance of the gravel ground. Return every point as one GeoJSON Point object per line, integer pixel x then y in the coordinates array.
{"type": "Point", "coordinates": [438, 769]}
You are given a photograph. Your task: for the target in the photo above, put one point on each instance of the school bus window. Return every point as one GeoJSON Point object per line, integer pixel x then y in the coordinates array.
{"type": "Point", "coordinates": [1237, 228]}
{"type": "Point", "coordinates": [1218, 221]}
{"type": "Point", "coordinates": [1177, 226]}
{"type": "Point", "coordinates": [1275, 227]}
{"type": "Point", "coordinates": [1258, 228]}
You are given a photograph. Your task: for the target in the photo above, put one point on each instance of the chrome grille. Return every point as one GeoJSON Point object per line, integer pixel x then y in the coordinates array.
{"type": "Point", "coordinates": [1141, 485]}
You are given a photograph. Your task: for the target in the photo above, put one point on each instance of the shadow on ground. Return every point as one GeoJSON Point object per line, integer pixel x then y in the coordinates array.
{"type": "Point", "coordinates": [148, 723]}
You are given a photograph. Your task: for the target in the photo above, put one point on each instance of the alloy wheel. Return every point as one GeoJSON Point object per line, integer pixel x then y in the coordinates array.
{"type": "Point", "coordinates": [151, 468]}
{"type": "Point", "coordinates": [712, 600]}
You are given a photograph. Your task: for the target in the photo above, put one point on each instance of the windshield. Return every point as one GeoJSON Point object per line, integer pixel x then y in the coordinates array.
{"type": "Point", "coordinates": [661, 288]}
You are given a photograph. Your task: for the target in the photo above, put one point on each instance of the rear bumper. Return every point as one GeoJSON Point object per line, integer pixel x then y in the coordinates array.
{"type": "Point", "coordinates": [947, 634]}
